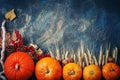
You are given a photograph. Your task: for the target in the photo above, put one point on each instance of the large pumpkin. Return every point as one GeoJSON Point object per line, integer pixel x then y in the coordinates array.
{"type": "Point", "coordinates": [48, 69]}
{"type": "Point", "coordinates": [111, 71]}
{"type": "Point", "coordinates": [72, 71]}
{"type": "Point", "coordinates": [18, 66]}
{"type": "Point", "coordinates": [92, 72]}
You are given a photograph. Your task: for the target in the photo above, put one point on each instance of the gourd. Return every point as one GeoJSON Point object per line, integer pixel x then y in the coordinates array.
{"type": "Point", "coordinates": [18, 66]}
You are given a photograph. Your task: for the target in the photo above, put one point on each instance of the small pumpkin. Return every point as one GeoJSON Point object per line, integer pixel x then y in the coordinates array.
{"type": "Point", "coordinates": [72, 71]}
{"type": "Point", "coordinates": [92, 72]}
{"type": "Point", "coordinates": [111, 71]}
{"type": "Point", "coordinates": [18, 66]}
{"type": "Point", "coordinates": [48, 69]}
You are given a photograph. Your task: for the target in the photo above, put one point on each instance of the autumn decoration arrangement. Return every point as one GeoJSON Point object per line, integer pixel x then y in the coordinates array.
{"type": "Point", "coordinates": [25, 61]}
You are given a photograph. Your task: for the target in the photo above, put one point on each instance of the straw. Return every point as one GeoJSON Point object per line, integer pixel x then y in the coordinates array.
{"type": "Point", "coordinates": [74, 58]}
{"type": "Point", "coordinates": [100, 56]}
{"type": "Point", "coordinates": [51, 53]}
{"type": "Point", "coordinates": [103, 60]}
{"type": "Point", "coordinates": [66, 55]}
{"type": "Point", "coordinates": [116, 52]}
{"type": "Point", "coordinates": [86, 59]}
{"type": "Point", "coordinates": [89, 56]}
{"type": "Point", "coordinates": [107, 52]}
{"type": "Point", "coordinates": [78, 56]}
{"type": "Point", "coordinates": [96, 63]}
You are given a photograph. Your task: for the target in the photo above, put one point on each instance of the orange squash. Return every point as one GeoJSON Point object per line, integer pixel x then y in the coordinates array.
{"type": "Point", "coordinates": [72, 71]}
{"type": "Point", "coordinates": [48, 69]}
{"type": "Point", "coordinates": [18, 66]}
{"type": "Point", "coordinates": [92, 72]}
{"type": "Point", "coordinates": [111, 71]}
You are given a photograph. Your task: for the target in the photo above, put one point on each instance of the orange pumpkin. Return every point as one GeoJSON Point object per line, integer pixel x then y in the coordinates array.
{"type": "Point", "coordinates": [92, 72]}
{"type": "Point", "coordinates": [72, 71]}
{"type": "Point", "coordinates": [111, 71]}
{"type": "Point", "coordinates": [18, 66]}
{"type": "Point", "coordinates": [48, 69]}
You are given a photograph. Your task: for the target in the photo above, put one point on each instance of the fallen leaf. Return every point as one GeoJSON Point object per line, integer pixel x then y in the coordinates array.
{"type": "Point", "coordinates": [10, 15]}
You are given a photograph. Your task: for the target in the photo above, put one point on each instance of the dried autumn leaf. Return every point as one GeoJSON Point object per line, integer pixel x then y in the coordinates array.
{"type": "Point", "coordinates": [8, 39]}
{"type": "Point", "coordinates": [10, 15]}
{"type": "Point", "coordinates": [39, 51]}
{"type": "Point", "coordinates": [14, 36]}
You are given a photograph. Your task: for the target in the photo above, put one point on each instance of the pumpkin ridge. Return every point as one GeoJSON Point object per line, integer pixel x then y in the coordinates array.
{"type": "Point", "coordinates": [9, 73]}
{"type": "Point", "coordinates": [8, 68]}
{"type": "Point", "coordinates": [31, 64]}
{"type": "Point", "coordinates": [23, 73]}
{"type": "Point", "coordinates": [27, 69]}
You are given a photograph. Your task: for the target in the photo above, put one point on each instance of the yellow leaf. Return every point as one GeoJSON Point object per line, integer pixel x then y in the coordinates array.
{"type": "Point", "coordinates": [10, 15]}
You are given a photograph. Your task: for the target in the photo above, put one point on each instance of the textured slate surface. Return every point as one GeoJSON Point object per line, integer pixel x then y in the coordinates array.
{"type": "Point", "coordinates": [66, 22]}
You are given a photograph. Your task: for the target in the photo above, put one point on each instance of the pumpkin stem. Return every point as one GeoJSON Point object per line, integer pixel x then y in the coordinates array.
{"type": "Point", "coordinates": [111, 69]}
{"type": "Point", "coordinates": [71, 72]}
{"type": "Point", "coordinates": [17, 66]}
{"type": "Point", "coordinates": [91, 72]}
{"type": "Point", "coordinates": [47, 71]}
